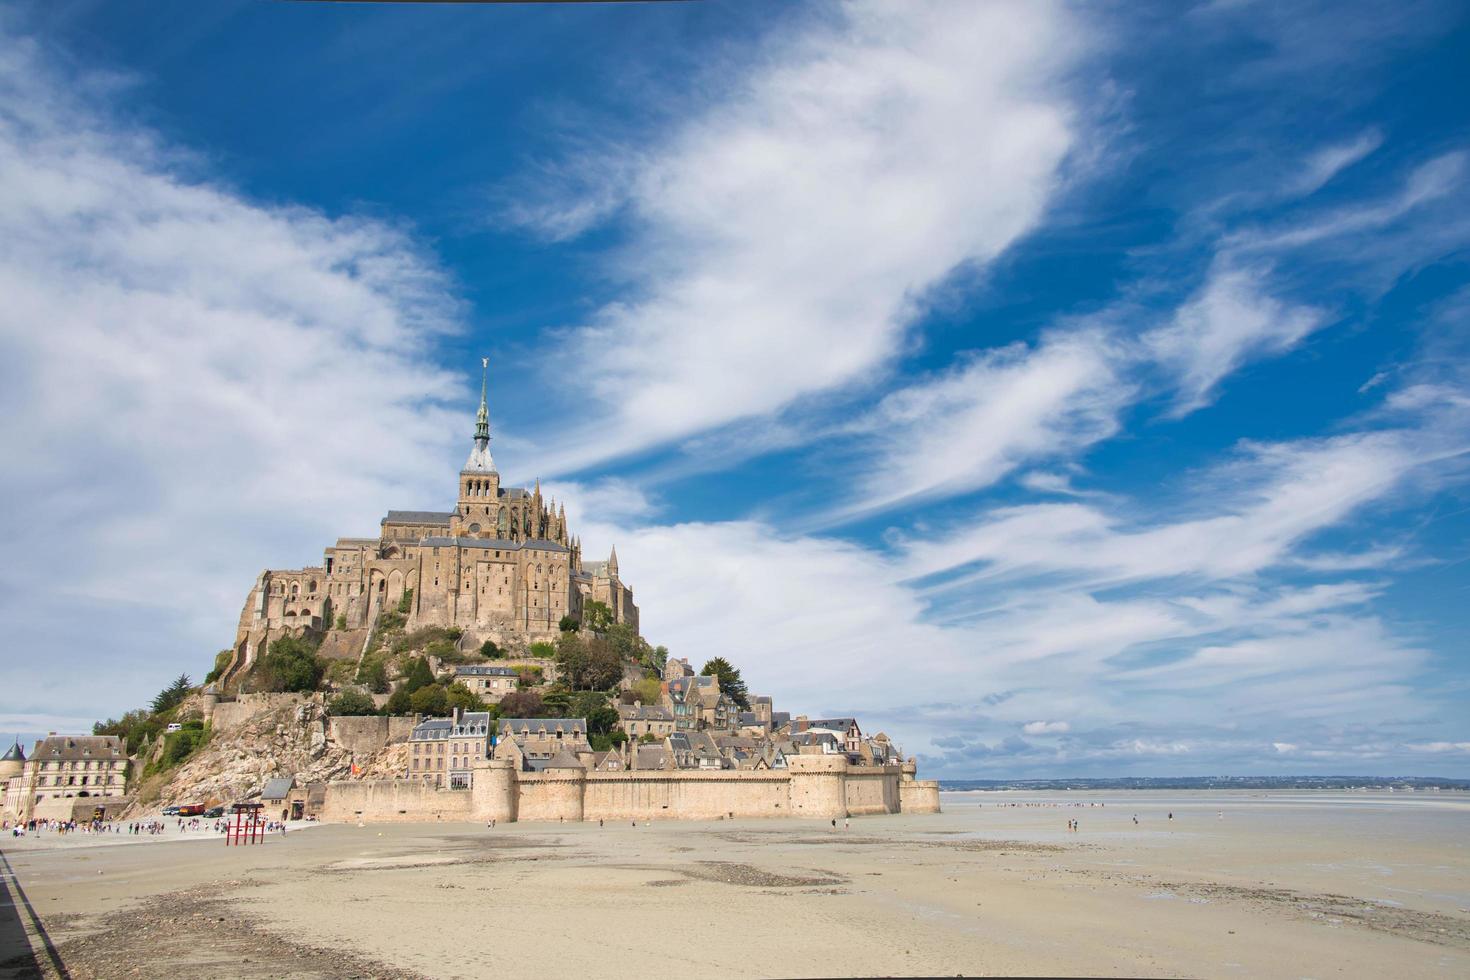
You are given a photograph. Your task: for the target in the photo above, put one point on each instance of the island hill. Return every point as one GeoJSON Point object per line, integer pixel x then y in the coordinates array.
{"type": "Point", "coordinates": [467, 664]}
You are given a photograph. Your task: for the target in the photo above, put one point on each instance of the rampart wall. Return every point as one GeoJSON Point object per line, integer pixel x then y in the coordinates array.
{"type": "Point", "coordinates": [819, 787]}
{"type": "Point", "coordinates": [394, 801]}
{"type": "Point", "coordinates": [364, 735]}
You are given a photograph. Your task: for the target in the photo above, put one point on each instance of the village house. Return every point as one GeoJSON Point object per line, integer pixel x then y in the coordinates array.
{"type": "Point", "coordinates": [639, 719]}
{"type": "Point", "coordinates": [534, 744]}
{"type": "Point", "coordinates": [489, 682]}
{"type": "Point", "coordinates": [443, 751]}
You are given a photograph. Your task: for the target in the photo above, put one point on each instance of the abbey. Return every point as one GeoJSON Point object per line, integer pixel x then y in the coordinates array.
{"type": "Point", "coordinates": [502, 565]}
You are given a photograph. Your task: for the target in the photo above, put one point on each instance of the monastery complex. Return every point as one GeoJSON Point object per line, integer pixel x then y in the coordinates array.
{"type": "Point", "coordinates": [502, 565]}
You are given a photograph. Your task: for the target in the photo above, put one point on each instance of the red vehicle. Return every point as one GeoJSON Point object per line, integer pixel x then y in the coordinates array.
{"type": "Point", "coordinates": [191, 810]}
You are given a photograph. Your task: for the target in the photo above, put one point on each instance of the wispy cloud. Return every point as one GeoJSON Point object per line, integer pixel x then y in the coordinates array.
{"type": "Point", "coordinates": [785, 234]}
{"type": "Point", "coordinates": [189, 365]}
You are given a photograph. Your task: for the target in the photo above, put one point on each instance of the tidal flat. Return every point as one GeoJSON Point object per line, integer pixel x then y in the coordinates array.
{"type": "Point", "coordinates": [1237, 883]}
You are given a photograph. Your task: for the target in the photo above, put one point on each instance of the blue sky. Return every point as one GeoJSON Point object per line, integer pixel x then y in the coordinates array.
{"type": "Point", "coordinates": [1064, 390]}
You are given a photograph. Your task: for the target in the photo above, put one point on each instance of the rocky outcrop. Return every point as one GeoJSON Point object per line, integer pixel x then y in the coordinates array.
{"type": "Point", "coordinates": [287, 739]}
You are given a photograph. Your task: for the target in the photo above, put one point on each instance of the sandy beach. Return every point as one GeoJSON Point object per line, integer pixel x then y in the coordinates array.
{"type": "Point", "coordinates": [1236, 884]}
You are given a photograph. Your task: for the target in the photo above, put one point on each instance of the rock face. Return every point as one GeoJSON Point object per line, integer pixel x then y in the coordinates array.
{"type": "Point", "coordinates": [287, 739]}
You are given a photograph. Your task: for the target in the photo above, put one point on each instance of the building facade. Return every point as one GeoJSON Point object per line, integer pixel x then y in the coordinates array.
{"type": "Point", "coordinates": [502, 565]}
{"type": "Point", "coordinates": [67, 766]}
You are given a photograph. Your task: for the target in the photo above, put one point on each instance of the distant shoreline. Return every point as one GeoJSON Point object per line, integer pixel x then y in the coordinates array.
{"type": "Point", "coordinates": [1396, 783]}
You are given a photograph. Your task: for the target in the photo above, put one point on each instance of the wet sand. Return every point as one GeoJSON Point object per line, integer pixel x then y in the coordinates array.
{"type": "Point", "coordinates": [1238, 884]}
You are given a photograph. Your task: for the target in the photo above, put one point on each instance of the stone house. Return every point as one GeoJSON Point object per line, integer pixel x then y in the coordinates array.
{"type": "Point", "coordinates": [533, 744]}
{"type": "Point", "coordinates": [443, 751]}
{"type": "Point", "coordinates": [490, 681]}
{"type": "Point", "coordinates": [639, 719]}
{"type": "Point", "coordinates": [61, 766]}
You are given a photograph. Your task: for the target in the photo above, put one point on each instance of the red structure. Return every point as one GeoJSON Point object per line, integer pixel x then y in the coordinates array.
{"type": "Point", "coordinates": [247, 827]}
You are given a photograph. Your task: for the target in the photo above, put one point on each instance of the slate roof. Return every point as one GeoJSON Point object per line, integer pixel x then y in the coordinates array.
{"type": "Point", "coordinates": [564, 760]}
{"type": "Point", "coordinates": [417, 517]}
{"type": "Point", "coordinates": [646, 712]}
{"type": "Point", "coordinates": [432, 728]}
{"type": "Point", "coordinates": [75, 747]}
{"type": "Point", "coordinates": [780, 718]}
{"type": "Point", "coordinates": [536, 725]}
{"type": "Point", "coordinates": [835, 724]}
{"type": "Point", "coordinates": [13, 754]}
{"type": "Point", "coordinates": [276, 788]}
{"type": "Point", "coordinates": [483, 670]}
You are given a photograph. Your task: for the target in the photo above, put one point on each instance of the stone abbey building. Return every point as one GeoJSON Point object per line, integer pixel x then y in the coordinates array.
{"type": "Point", "coordinates": [502, 565]}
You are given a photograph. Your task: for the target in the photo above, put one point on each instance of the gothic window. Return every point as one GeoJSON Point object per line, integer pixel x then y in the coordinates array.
{"type": "Point", "coordinates": [504, 516]}
{"type": "Point", "coordinates": [295, 587]}
{"type": "Point", "coordinates": [311, 586]}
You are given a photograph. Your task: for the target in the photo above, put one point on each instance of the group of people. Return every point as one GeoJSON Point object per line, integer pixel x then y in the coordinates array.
{"type": "Point", "coordinates": [21, 828]}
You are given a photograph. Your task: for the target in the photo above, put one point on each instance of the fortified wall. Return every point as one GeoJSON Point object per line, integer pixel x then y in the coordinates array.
{"type": "Point", "coordinates": [816, 786]}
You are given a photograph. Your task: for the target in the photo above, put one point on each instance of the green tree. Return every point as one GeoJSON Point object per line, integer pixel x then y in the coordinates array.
{"type": "Point", "coordinates": [171, 696]}
{"type": "Point", "coordinates": [730, 681]}
{"type": "Point", "coordinates": [522, 704]}
{"type": "Point", "coordinates": [405, 601]}
{"type": "Point", "coordinates": [490, 651]}
{"type": "Point", "coordinates": [341, 623]}
{"type": "Point", "coordinates": [399, 703]}
{"type": "Point", "coordinates": [656, 659]}
{"type": "Point", "coordinates": [647, 691]}
{"type": "Point", "coordinates": [461, 697]}
{"type": "Point", "coordinates": [569, 624]}
{"type": "Point", "coordinates": [596, 616]}
{"type": "Point", "coordinates": [419, 675]}
{"type": "Point", "coordinates": [430, 700]}
{"type": "Point", "coordinates": [292, 665]}
{"type": "Point", "coordinates": [372, 673]}
{"type": "Point", "coordinates": [352, 703]}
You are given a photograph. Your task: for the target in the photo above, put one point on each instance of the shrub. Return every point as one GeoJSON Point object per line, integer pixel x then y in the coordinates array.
{"type": "Point", "coordinates": [543, 650]}
{"type": "Point", "coordinates": [292, 665]}
{"type": "Point", "coordinates": [405, 601]}
{"type": "Point", "coordinates": [372, 673]}
{"type": "Point", "coordinates": [529, 677]}
{"type": "Point", "coordinates": [352, 703]}
{"type": "Point", "coordinates": [221, 663]}
{"type": "Point", "coordinates": [341, 622]}
{"type": "Point", "coordinates": [419, 675]}
{"type": "Point", "coordinates": [569, 624]}
{"type": "Point", "coordinates": [522, 704]}
{"type": "Point", "coordinates": [490, 651]}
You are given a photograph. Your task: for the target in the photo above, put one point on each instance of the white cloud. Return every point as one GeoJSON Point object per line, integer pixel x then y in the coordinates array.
{"type": "Point", "coordinates": [1228, 322]}
{"type": "Point", "coordinates": [1046, 728]}
{"type": "Point", "coordinates": [785, 233]}
{"type": "Point", "coordinates": [980, 420]}
{"type": "Point", "coordinates": [199, 387]}
{"type": "Point", "coordinates": [1322, 166]}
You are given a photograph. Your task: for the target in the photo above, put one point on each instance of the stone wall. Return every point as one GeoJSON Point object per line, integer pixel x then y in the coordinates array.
{"type": "Point", "coordinates": [816, 786]}
{"type": "Point", "coordinates": [640, 795]}
{"type": "Point", "coordinates": [343, 644]}
{"type": "Point", "coordinates": [872, 790]}
{"type": "Point", "coordinates": [919, 795]}
{"type": "Point", "coordinates": [232, 714]}
{"type": "Point", "coordinates": [366, 735]}
{"type": "Point", "coordinates": [394, 800]}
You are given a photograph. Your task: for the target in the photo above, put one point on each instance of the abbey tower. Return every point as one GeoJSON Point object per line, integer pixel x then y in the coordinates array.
{"type": "Point", "coordinates": [502, 565]}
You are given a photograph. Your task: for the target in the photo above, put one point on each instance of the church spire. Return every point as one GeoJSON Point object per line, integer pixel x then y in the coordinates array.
{"type": "Point", "coordinates": [480, 460]}
{"type": "Point", "coordinates": [612, 563]}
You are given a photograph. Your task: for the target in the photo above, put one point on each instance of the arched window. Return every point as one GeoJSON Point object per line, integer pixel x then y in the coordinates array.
{"type": "Point", "coordinates": [311, 586]}
{"type": "Point", "coordinates": [295, 587]}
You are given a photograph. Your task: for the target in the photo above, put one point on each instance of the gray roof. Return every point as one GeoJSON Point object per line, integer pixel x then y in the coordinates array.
{"type": "Point", "coordinates": [75, 747]}
{"type": "Point", "coordinates": [417, 517]}
{"type": "Point", "coordinates": [645, 712]}
{"type": "Point", "coordinates": [779, 718]}
{"type": "Point", "coordinates": [500, 544]}
{"type": "Point", "coordinates": [537, 724]}
{"type": "Point", "coordinates": [433, 728]}
{"type": "Point", "coordinates": [564, 760]}
{"type": "Point", "coordinates": [835, 724]}
{"type": "Point", "coordinates": [483, 670]}
{"type": "Point", "coordinates": [13, 754]}
{"type": "Point", "coordinates": [277, 788]}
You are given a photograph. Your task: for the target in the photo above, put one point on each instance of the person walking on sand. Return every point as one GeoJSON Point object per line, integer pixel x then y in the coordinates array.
{"type": "Point", "coordinates": [846, 824]}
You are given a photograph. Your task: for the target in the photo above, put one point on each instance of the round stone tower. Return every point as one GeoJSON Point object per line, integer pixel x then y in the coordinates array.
{"type": "Point", "coordinates": [12, 763]}
{"type": "Point", "coordinates": [818, 786]}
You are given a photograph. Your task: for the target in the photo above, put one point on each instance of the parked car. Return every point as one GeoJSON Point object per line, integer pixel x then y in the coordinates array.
{"type": "Point", "coordinates": [215, 812]}
{"type": "Point", "coordinates": [191, 810]}
{"type": "Point", "coordinates": [170, 811]}
{"type": "Point", "coordinates": [174, 727]}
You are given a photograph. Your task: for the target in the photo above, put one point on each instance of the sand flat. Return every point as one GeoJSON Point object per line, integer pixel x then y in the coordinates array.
{"type": "Point", "coordinates": [1238, 884]}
